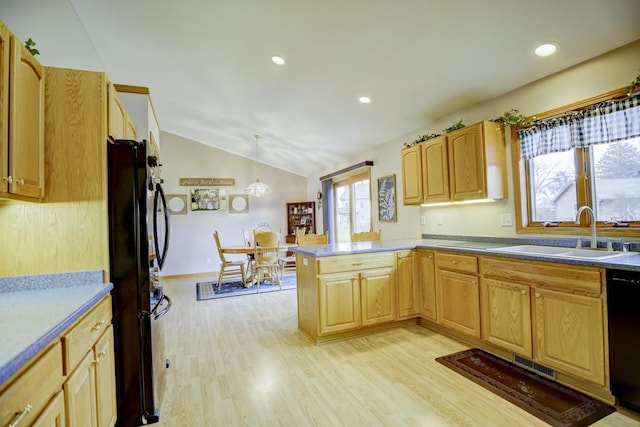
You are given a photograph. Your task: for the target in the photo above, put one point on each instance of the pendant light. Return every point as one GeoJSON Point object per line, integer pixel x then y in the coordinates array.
{"type": "Point", "coordinates": [258, 188]}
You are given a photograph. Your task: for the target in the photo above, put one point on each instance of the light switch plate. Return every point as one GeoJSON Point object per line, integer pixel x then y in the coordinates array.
{"type": "Point", "coordinates": [506, 220]}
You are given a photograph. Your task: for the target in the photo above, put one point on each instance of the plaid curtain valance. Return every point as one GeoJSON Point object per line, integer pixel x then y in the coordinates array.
{"type": "Point", "coordinates": [606, 122]}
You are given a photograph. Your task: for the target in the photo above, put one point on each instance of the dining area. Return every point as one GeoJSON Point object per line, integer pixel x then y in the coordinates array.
{"type": "Point", "coordinates": [264, 253]}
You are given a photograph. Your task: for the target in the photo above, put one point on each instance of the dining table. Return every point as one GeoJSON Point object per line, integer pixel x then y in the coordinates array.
{"type": "Point", "coordinates": [249, 251]}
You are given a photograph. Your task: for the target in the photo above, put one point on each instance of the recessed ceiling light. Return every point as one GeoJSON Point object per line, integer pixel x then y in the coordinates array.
{"type": "Point", "coordinates": [546, 49]}
{"type": "Point", "coordinates": [279, 60]}
{"type": "Point", "coordinates": [364, 100]}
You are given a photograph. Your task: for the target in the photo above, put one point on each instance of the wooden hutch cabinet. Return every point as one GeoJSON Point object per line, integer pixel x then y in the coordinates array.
{"type": "Point", "coordinates": [300, 215]}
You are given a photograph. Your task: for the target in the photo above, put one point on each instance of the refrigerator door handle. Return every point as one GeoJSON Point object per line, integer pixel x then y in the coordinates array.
{"type": "Point", "coordinates": [159, 314]}
{"type": "Point", "coordinates": [159, 197]}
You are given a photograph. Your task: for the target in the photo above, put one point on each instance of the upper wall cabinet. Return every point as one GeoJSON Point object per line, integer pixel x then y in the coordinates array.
{"type": "Point", "coordinates": [121, 125]}
{"type": "Point", "coordinates": [137, 100]}
{"type": "Point", "coordinates": [21, 121]}
{"type": "Point", "coordinates": [466, 164]}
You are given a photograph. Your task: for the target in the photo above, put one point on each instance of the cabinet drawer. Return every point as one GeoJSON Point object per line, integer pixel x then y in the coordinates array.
{"type": "Point", "coordinates": [33, 387]}
{"type": "Point", "coordinates": [561, 277]}
{"type": "Point", "coordinates": [355, 262]}
{"type": "Point", "coordinates": [85, 333]}
{"type": "Point", "coordinates": [456, 262]}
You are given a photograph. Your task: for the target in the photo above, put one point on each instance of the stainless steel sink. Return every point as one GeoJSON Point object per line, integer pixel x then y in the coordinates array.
{"type": "Point", "coordinates": [561, 252]}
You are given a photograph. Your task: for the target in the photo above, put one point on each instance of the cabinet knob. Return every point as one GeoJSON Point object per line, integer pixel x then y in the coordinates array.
{"type": "Point", "coordinates": [538, 295]}
{"type": "Point", "coordinates": [454, 262]}
{"type": "Point", "coordinates": [473, 282]}
{"type": "Point", "coordinates": [523, 292]}
{"type": "Point", "coordinates": [430, 256]}
{"type": "Point", "coordinates": [7, 179]}
{"type": "Point", "coordinates": [19, 181]}
{"type": "Point", "coordinates": [98, 326]}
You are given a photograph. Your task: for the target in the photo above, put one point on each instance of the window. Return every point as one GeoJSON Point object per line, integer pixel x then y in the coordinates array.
{"type": "Point", "coordinates": [583, 157]}
{"type": "Point", "coordinates": [352, 201]}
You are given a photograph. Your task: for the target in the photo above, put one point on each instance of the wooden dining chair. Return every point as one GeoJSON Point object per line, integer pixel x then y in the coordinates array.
{"type": "Point", "coordinates": [313, 239]}
{"type": "Point", "coordinates": [228, 268]}
{"type": "Point", "coordinates": [366, 236]}
{"type": "Point", "coordinates": [266, 257]}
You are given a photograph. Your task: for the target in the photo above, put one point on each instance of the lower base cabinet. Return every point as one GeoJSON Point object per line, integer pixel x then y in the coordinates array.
{"type": "Point", "coordinates": [425, 263]}
{"type": "Point", "coordinates": [71, 383]}
{"type": "Point", "coordinates": [53, 415]}
{"type": "Point", "coordinates": [90, 390]}
{"type": "Point", "coordinates": [551, 313]}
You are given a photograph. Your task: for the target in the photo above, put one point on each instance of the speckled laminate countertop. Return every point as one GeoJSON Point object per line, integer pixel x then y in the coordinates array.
{"type": "Point", "coordinates": [630, 261]}
{"type": "Point", "coordinates": [36, 309]}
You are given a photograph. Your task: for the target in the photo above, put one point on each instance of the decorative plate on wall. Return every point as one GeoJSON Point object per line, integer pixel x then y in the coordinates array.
{"type": "Point", "coordinates": [177, 204]}
{"type": "Point", "coordinates": [239, 203]}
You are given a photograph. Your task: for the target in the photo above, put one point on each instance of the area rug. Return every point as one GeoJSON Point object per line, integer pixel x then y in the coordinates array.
{"type": "Point", "coordinates": [209, 290]}
{"type": "Point", "coordinates": [551, 402]}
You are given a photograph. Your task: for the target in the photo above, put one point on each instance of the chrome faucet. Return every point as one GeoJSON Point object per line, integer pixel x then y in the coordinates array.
{"type": "Point", "coordinates": [594, 240]}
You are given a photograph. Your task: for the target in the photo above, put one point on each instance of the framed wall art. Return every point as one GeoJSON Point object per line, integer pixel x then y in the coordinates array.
{"type": "Point", "coordinates": [177, 204]}
{"type": "Point", "coordinates": [208, 199]}
{"type": "Point", "coordinates": [387, 198]}
{"type": "Point", "coordinates": [238, 203]}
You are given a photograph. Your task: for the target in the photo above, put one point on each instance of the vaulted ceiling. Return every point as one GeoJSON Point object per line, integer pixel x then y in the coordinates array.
{"type": "Point", "coordinates": [208, 62]}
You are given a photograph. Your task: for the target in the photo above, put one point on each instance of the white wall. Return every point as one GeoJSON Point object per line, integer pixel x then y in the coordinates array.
{"type": "Point", "coordinates": [608, 72]}
{"type": "Point", "coordinates": [191, 246]}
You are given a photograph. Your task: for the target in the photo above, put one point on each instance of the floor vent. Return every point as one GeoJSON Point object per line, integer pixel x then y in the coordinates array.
{"type": "Point", "coordinates": [532, 366]}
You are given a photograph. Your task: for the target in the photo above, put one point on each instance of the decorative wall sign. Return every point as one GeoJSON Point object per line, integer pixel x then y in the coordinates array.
{"type": "Point", "coordinates": [387, 198]}
{"type": "Point", "coordinates": [208, 199]}
{"type": "Point", "coordinates": [177, 204]}
{"type": "Point", "coordinates": [238, 203]}
{"type": "Point", "coordinates": [208, 182]}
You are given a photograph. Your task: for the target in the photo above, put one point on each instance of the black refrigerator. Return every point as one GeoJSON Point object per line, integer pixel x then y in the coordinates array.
{"type": "Point", "coordinates": [138, 243]}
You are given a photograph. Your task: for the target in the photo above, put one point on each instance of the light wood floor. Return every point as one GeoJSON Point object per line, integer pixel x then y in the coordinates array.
{"type": "Point", "coordinates": [240, 361]}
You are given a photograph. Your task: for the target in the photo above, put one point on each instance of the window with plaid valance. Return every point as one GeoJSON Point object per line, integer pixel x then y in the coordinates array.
{"type": "Point", "coordinates": [606, 122]}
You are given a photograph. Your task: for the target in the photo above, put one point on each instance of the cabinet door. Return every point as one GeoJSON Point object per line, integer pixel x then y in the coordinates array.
{"type": "Point", "coordinates": [466, 163]}
{"type": "Point", "coordinates": [129, 128]}
{"type": "Point", "coordinates": [426, 277]}
{"type": "Point", "coordinates": [4, 107]}
{"type": "Point", "coordinates": [459, 302]}
{"type": "Point", "coordinates": [408, 304]}
{"type": "Point", "coordinates": [506, 316]}
{"type": "Point", "coordinates": [117, 115]}
{"type": "Point", "coordinates": [80, 395]}
{"type": "Point", "coordinates": [435, 170]}
{"type": "Point", "coordinates": [570, 334]}
{"type": "Point", "coordinates": [53, 415]}
{"type": "Point", "coordinates": [26, 123]}
{"type": "Point", "coordinates": [412, 175]}
{"type": "Point", "coordinates": [377, 296]}
{"type": "Point", "coordinates": [105, 379]}
{"type": "Point", "coordinates": [339, 302]}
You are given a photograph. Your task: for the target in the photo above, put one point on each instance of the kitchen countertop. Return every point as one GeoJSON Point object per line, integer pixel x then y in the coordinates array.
{"type": "Point", "coordinates": [630, 261]}
{"type": "Point", "coordinates": [34, 310]}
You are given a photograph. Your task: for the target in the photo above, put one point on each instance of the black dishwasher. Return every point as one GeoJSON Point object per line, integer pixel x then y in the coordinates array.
{"type": "Point", "coordinates": [623, 302]}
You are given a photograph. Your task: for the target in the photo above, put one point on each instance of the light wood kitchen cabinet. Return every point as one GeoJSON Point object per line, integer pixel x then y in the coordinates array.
{"type": "Point", "coordinates": [412, 175]}
{"type": "Point", "coordinates": [137, 101]}
{"type": "Point", "coordinates": [339, 294]}
{"type": "Point", "coordinates": [458, 293]}
{"type": "Point", "coordinates": [435, 170]}
{"type": "Point", "coordinates": [378, 296]}
{"type": "Point", "coordinates": [89, 358]}
{"type": "Point", "coordinates": [466, 164]}
{"type": "Point", "coordinates": [22, 121]}
{"type": "Point", "coordinates": [120, 123]}
{"type": "Point", "coordinates": [426, 279]}
{"type": "Point", "coordinates": [408, 299]}
{"type": "Point", "coordinates": [27, 396]}
{"type": "Point", "coordinates": [339, 302]}
{"type": "Point", "coordinates": [565, 329]}
{"type": "Point", "coordinates": [477, 162]}
{"type": "Point", "coordinates": [506, 315]}
{"type": "Point", "coordinates": [54, 414]}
